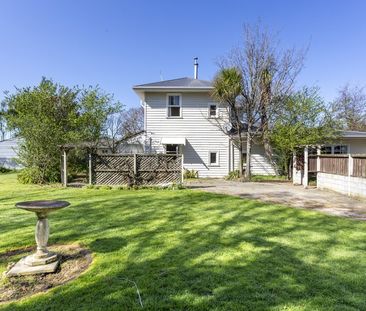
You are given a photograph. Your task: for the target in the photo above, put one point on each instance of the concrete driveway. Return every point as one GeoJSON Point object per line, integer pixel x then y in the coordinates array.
{"type": "Point", "coordinates": [288, 194]}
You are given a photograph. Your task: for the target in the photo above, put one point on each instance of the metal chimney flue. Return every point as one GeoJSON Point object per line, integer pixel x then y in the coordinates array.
{"type": "Point", "coordinates": [195, 68]}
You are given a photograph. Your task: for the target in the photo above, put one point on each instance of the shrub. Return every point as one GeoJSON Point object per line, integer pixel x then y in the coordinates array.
{"type": "Point", "coordinates": [49, 115]}
{"type": "Point", "coordinates": [105, 187]}
{"type": "Point", "coordinates": [34, 175]}
{"type": "Point", "coordinates": [233, 175]}
{"type": "Point", "coordinates": [190, 174]}
{"type": "Point", "coordinates": [89, 187]}
{"type": "Point", "coordinates": [4, 170]}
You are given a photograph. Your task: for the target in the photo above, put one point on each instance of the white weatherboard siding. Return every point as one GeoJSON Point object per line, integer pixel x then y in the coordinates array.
{"type": "Point", "coordinates": [8, 153]}
{"type": "Point", "coordinates": [202, 135]}
{"type": "Point", "coordinates": [260, 163]}
{"type": "Point", "coordinates": [356, 145]}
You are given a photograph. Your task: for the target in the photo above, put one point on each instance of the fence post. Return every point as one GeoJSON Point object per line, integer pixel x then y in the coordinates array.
{"type": "Point", "coordinates": [134, 164]}
{"type": "Point", "coordinates": [350, 172]}
{"type": "Point", "coordinates": [90, 168]}
{"type": "Point", "coordinates": [306, 167]}
{"type": "Point", "coordinates": [65, 168]}
{"type": "Point", "coordinates": [181, 169]}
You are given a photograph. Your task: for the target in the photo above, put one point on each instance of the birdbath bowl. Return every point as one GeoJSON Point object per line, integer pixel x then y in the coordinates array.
{"type": "Point", "coordinates": [42, 261]}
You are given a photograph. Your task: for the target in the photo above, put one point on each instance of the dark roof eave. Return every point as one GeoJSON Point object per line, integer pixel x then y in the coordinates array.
{"type": "Point", "coordinates": [208, 88]}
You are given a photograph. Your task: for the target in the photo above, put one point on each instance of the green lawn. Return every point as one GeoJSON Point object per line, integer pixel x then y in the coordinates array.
{"type": "Point", "coordinates": [190, 250]}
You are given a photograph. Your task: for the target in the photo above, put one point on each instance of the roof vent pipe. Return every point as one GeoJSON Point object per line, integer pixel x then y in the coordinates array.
{"type": "Point", "coordinates": [196, 68]}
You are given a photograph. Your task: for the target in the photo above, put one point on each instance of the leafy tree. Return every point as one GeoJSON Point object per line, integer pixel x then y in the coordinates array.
{"type": "Point", "coordinates": [350, 108]}
{"type": "Point", "coordinates": [3, 126]}
{"type": "Point", "coordinates": [49, 115]}
{"type": "Point", "coordinates": [303, 120]}
{"type": "Point", "coordinates": [267, 75]}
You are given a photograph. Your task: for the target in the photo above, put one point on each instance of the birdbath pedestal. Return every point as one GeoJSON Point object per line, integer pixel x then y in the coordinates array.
{"type": "Point", "coordinates": [42, 261]}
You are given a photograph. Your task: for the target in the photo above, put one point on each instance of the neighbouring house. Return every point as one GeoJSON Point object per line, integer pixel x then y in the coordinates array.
{"type": "Point", "coordinates": [340, 166]}
{"type": "Point", "coordinates": [353, 142]}
{"type": "Point", "coordinates": [130, 145]}
{"type": "Point", "coordinates": [179, 117]}
{"type": "Point", "coordinates": [9, 153]}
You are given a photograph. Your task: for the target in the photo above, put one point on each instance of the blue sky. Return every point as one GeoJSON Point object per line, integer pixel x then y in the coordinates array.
{"type": "Point", "coordinates": [117, 44]}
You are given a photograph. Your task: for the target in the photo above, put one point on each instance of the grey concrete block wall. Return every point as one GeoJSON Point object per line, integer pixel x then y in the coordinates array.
{"type": "Point", "coordinates": [355, 186]}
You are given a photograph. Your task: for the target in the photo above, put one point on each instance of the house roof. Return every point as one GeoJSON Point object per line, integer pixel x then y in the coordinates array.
{"type": "Point", "coordinates": [181, 83]}
{"type": "Point", "coordinates": [353, 134]}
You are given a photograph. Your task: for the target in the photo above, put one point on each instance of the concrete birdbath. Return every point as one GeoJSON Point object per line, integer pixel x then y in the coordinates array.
{"type": "Point", "coordinates": [42, 261]}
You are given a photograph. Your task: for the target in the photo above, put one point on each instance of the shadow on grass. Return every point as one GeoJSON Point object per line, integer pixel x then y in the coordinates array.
{"type": "Point", "coordinates": [199, 251]}
{"type": "Point", "coordinates": [107, 245]}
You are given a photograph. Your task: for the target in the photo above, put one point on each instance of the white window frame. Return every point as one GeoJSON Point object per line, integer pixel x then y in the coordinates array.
{"type": "Point", "coordinates": [341, 145]}
{"type": "Point", "coordinates": [180, 106]}
{"type": "Point", "coordinates": [209, 110]}
{"type": "Point", "coordinates": [217, 158]}
{"type": "Point", "coordinates": [178, 149]}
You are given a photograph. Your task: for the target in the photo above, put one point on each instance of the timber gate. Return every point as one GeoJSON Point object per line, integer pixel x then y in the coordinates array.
{"type": "Point", "coordinates": [136, 169]}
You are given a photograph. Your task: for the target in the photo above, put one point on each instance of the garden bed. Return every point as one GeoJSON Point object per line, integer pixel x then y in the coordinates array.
{"type": "Point", "coordinates": [73, 261]}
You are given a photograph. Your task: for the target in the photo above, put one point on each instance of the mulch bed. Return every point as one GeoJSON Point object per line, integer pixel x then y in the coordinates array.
{"type": "Point", "coordinates": [73, 261]}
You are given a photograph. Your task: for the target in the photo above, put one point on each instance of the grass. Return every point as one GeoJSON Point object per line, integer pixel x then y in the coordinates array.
{"type": "Point", "coordinates": [189, 250]}
{"type": "Point", "coordinates": [268, 178]}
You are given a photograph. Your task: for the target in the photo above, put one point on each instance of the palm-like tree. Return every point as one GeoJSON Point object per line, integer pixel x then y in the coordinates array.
{"type": "Point", "coordinates": [228, 86]}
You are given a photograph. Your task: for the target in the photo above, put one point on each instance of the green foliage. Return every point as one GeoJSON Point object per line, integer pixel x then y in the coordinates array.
{"type": "Point", "coordinates": [172, 186]}
{"type": "Point", "coordinates": [49, 115]}
{"type": "Point", "coordinates": [4, 170]}
{"type": "Point", "coordinates": [190, 174]}
{"type": "Point", "coordinates": [269, 178]}
{"type": "Point", "coordinates": [105, 187]}
{"type": "Point", "coordinates": [233, 175]}
{"type": "Point", "coordinates": [89, 187]}
{"type": "Point", "coordinates": [303, 120]}
{"type": "Point", "coordinates": [33, 175]}
{"type": "Point", "coordinates": [227, 85]}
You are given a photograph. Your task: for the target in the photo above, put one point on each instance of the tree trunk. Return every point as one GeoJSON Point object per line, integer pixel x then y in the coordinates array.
{"type": "Point", "coordinates": [248, 173]}
{"type": "Point", "coordinates": [241, 160]}
{"type": "Point", "coordinates": [288, 164]}
{"type": "Point", "coordinates": [289, 174]}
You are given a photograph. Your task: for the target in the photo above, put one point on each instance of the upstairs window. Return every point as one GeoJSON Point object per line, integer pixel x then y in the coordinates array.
{"type": "Point", "coordinates": [212, 110]}
{"type": "Point", "coordinates": [174, 106]}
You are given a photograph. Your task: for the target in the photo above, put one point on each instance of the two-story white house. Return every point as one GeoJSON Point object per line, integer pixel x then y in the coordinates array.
{"type": "Point", "coordinates": [179, 117]}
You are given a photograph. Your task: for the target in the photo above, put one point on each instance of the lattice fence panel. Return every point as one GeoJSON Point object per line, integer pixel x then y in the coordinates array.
{"type": "Point", "coordinates": [140, 169]}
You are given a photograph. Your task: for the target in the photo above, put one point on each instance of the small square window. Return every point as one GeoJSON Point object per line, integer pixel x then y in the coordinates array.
{"type": "Point", "coordinates": [212, 111]}
{"type": "Point", "coordinates": [213, 158]}
{"type": "Point", "coordinates": [172, 149]}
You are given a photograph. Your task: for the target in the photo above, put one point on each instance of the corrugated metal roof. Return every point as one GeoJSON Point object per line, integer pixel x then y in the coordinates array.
{"type": "Point", "coordinates": [186, 83]}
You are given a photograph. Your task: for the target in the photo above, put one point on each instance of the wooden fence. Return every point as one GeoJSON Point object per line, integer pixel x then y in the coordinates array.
{"type": "Point", "coordinates": [339, 164]}
{"type": "Point", "coordinates": [312, 160]}
{"type": "Point", "coordinates": [334, 164]}
{"type": "Point", "coordinates": [136, 169]}
{"type": "Point", "coordinates": [359, 166]}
